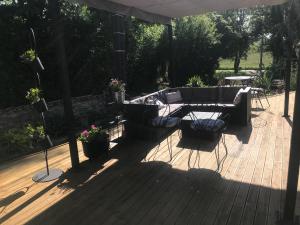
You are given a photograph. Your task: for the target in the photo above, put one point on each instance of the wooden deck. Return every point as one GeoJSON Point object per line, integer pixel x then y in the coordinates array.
{"type": "Point", "coordinates": [139, 184]}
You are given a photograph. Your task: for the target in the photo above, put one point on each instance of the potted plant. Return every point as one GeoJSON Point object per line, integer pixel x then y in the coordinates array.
{"type": "Point", "coordinates": [195, 81]}
{"type": "Point", "coordinates": [95, 142]}
{"type": "Point", "coordinates": [118, 89]}
{"type": "Point", "coordinates": [30, 57]}
{"type": "Point", "coordinates": [34, 97]}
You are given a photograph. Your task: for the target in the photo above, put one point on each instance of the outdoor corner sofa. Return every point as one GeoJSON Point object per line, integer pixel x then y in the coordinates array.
{"type": "Point", "coordinates": [140, 112]}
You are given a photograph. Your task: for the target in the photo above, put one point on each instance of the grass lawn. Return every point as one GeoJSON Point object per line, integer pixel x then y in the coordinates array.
{"type": "Point", "coordinates": [252, 61]}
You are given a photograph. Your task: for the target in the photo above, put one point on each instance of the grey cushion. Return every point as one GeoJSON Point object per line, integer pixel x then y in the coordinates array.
{"type": "Point", "coordinates": [238, 97]}
{"type": "Point", "coordinates": [168, 122]}
{"type": "Point", "coordinates": [208, 125]}
{"type": "Point", "coordinates": [169, 109]}
{"type": "Point", "coordinates": [173, 97]}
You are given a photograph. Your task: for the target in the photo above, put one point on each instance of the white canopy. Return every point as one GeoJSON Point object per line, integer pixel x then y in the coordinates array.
{"type": "Point", "coordinates": [162, 11]}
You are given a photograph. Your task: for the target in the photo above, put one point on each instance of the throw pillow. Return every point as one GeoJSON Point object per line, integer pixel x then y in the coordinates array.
{"type": "Point", "coordinates": [173, 97]}
{"type": "Point", "coordinates": [238, 97]}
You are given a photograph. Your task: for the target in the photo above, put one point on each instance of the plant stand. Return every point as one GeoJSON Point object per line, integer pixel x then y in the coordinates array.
{"type": "Point", "coordinates": [48, 174]}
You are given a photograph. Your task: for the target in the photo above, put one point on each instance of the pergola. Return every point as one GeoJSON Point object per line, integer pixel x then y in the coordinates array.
{"type": "Point", "coordinates": [163, 11]}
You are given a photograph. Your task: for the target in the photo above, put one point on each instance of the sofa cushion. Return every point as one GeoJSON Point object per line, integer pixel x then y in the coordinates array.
{"type": "Point", "coordinates": [208, 125]}
{"type": "Point", "coordinates": [238, 97]}
{"type": "Point", "coordinates": [169, 109]}
{"type": "Point", "coordinates": [173, 97]}
{"type": "Point", "coordinates": [167, 121]}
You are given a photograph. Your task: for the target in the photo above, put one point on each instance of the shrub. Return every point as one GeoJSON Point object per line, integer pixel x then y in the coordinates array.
{"type": "Point", "coordinates": [22, 140]}
{"type": "Point", "coordinates": [195, 81]}
{"type": "Point", "coordinates": [264, 81]}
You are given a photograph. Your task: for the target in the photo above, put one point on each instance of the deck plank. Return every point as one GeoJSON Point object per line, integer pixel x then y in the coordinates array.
{"type": "Point", "coordinates": [139, 184]}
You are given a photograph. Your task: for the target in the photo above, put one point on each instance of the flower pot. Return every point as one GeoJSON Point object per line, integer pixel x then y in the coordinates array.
{"type": "Point", "coordinates": [37, 65]}
{"type": "Point", "coordinates": [119, 96]}
{"type": "Point", "coordinates": [97, 147]}
{"type": "Point", "coordinates": [40, 106]}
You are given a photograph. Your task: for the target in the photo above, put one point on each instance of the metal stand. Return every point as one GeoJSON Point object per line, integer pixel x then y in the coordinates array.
{"type": "Point", "coordinates": [48, 174]}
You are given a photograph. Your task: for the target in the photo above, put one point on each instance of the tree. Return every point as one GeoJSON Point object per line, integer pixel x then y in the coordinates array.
{"type": "Point", "coordinates": [195, 48]}
{"type": "Point", "coordinates": [233, 25]}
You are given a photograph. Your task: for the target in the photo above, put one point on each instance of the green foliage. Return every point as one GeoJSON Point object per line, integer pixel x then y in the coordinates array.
{"type": "Point", "coordinates": [28, 56]}
{"type": "Point", "coordinates": [263, 81]}
{"type": "Point", "coordinates": [24, 139]}
{"type": "Point", "coordinates": [195, 48]}
{"type": "Point", "coordinates": [33, 95]}
{"type": "Point", "coordinates": [15, 140]}
{"type": "Point", "coordinates": [36, 133]}
{"type": "Point", "coordinates": [195, 81]}
{"type": "Point", "coordinates": [146, 56]}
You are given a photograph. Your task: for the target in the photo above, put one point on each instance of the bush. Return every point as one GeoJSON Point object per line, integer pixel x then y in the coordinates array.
{"type": "Point", "coordinates": [24, 139]}
{"type": "Point", "coordinates": [195, 81]}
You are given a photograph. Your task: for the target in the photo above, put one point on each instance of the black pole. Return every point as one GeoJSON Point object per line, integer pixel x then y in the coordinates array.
{"type": "Point", "coordinates": [287, 85]}
{"type": "Point", "coordinates": [119, 36]}
{"type": "Point", "coordinates": [64, 79]}
{"type": "Point", "coordinates": [289, 48]}
{"type": "Point", "coordinates": [293, 172]}
{"type": "Point", "coordinates": [171, 65]}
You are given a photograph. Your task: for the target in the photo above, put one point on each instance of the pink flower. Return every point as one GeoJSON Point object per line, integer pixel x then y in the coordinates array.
{"type": "Point", "coordinates": [93, 126]}
{"type": "Point", "coordinates": [85, 133]}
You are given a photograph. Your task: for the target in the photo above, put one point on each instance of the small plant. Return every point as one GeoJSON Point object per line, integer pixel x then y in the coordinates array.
{"type": "Point", "coordinates": [91, 134]}
{"type": "Point", "coordinates": [195, 81]}
{"type": "Point", "coordinates": [33, 95]}
{"type": "Point", "coordinates": [28, 56]}
{"type": "Point", "coordinates": [263, 81]}
{"type": "Point", "coordinates": [116, 85]}
{"type": "Point", "coordinates": [35, 133]}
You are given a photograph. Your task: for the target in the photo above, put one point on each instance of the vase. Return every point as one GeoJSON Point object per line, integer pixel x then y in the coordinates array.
{"type": "Point", "coordinates": [119, 96]}
{"type": "Point", "coordinates": [96, 147]}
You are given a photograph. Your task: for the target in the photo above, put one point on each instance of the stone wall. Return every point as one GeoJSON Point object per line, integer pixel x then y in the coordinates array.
{"type": "Point", "coordinates": [18, 116]}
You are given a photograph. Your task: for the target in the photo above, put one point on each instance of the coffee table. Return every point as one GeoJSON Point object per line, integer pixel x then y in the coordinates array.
{"type": "Point", "coordinates": [186, 121]}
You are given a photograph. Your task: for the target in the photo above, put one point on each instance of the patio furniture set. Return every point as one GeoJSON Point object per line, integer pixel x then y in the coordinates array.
{"type": "Point", "coordinates": [201, 112]}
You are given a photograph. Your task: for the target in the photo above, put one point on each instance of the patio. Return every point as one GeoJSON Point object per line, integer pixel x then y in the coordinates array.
{"type": "Point", "coordinates": [138, 184]}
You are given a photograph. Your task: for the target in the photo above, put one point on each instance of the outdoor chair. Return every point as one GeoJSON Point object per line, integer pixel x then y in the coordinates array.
{"type": "Point", "coordinates": [258, 92]}
{"type": "Point", "coordinates": [216, 129]}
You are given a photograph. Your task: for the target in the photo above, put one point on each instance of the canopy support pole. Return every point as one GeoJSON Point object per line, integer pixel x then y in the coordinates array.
{"type": "Point", "coordinates": [287, 85]}
{"type": "Point", "coordinates": [65, 82]}
{"type": "Point", "coordinates": [171, 68]}
{"type": "Point", "coordinates": [288, 63]}
{"type": "Point", "coordinates": [293, 172]}
{"type": "Point", "coordinates": [119, 37]}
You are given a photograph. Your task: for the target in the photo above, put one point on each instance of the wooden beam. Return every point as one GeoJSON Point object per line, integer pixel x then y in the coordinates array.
{"type": "Point", "coordinates": [119, 37]}
{"type": "Point", "coordinates": [57, 23]}
{"type": "Point", "coordinates": [293, 172]}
